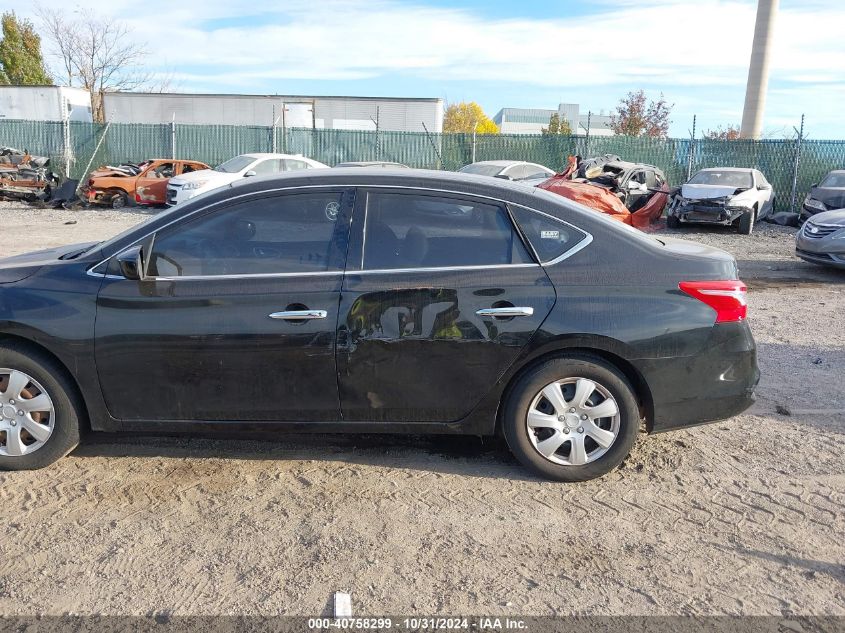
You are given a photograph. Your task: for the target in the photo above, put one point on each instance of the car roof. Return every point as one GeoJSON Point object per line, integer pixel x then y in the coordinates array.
{"type": "Point", "coordinates": [270, 155]}
{"type": "Point", "coordinates": [503, 163]}
{"type": "Point", "coordinates": [728, 169]}
{"type": "Point", "coordinates": [368, 163]}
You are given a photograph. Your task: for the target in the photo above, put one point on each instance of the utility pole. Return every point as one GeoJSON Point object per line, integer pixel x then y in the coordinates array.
{"type": "Point", "coordinates": [758, 70]}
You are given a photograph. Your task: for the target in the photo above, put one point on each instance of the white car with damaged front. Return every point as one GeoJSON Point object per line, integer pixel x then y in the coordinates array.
{"type": "Point", "coordinates": [731, 196]}
{"type": "Point", "coordinates": [187, 186]}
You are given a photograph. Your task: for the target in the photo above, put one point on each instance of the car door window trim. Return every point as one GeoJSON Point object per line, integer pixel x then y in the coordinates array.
{"type": "Point", "coordinates": [582, 244]}
{"type": "Point", "coordinates": [345, 187]}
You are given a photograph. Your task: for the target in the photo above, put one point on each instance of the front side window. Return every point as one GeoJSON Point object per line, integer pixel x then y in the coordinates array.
{"type": "Point", "coordinates": [550, 237]}
{"type": "Point", "coordinates": [421, 231]}
{"type": "Point", "coordinates": [165, 170]}
{"type": "Point", "coordinates": [294, 233]}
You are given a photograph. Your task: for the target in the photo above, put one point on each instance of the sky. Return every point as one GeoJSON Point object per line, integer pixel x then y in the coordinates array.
{"type": "Point", "coordinates": [502, 53]}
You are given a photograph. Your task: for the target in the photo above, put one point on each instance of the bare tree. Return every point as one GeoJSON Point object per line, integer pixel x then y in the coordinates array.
{"type": "Point", "coordinates": [97, 53]}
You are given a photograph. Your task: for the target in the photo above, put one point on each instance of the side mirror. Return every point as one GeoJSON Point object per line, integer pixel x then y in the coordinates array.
{"type": "Point", "coordinates": [131, 263]}
{"type": "Point", "coordinates": [814, 185]}
{"type": "Point", "coordinates": [250, 173]}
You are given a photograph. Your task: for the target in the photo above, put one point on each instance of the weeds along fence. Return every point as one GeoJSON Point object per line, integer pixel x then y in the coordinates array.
{"type": "Point", "coordinates": [73, 145]}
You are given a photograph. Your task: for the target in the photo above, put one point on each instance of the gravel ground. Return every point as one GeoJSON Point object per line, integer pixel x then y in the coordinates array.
{"type": "Point", "coordinates": [740, 517]}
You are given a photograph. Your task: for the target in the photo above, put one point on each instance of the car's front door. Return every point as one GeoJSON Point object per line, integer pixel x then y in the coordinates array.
{"type": "Point", "coordinates": [235, 318]}
{"type": "Point", "coordinates": [439, 297]}
{"type": "Point", "coordinates": [151, 185]}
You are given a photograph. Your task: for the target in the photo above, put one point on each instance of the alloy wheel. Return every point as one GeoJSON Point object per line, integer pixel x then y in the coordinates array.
{"type": "Point", "coordinates": [27, 414]}
{"type": "Point", "coordinates": [573, 421]}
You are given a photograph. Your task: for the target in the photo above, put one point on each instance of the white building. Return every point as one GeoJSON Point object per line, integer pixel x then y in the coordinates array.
{"type": "Point", "coordinates": [45, 103]}
{"type": "Point", "coordinates": [338, 113]}
{"type": "Point", "coordinates": [533, 120]}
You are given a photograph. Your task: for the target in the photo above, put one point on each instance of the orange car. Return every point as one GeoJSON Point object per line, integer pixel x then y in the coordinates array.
{"type": "Point", "coordinates": [632, 193]}
{"type": "Point", "coordinates": [145, 184]}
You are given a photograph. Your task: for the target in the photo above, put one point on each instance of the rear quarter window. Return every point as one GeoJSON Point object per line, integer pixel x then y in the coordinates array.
{"type": "Point", "coordinates": [550, 237]}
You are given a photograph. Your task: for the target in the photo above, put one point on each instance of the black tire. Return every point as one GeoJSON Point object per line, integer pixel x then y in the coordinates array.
{"type": "Point", "coordinates": [66, 405]}
{"type": "Point", "coordinates": [673, 222]}
{"type": "Point", "coordinates": [528, 386]}
{"type": "Point", "coordinates": [746, 222]}
{"type": "Point", "coordinates": [119, 200]}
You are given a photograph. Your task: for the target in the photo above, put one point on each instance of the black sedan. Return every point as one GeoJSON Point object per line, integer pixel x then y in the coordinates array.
{"type": "Point", "coordinates": [426, 302]}
{"type": "Point", "coordinates": [827, 195]}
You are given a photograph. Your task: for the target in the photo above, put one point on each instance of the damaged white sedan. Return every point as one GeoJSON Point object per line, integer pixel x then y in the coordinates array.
{"type": "Point", "coordinates": [729, 196]}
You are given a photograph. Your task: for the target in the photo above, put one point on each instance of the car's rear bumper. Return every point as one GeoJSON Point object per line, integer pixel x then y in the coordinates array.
{"type": "Point", "coordinates": [715, 384]}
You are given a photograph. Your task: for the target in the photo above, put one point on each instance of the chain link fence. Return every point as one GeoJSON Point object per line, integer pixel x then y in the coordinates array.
{"type": "Point", "coordinates": [73, 146]}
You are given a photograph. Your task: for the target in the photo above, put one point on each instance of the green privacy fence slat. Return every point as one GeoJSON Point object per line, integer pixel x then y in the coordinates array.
{"type": "Point", "coordinates": [214, 144]}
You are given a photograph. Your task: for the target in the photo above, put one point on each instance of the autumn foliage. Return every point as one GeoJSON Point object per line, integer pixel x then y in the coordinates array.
{"type": "Point", "coordinates": [637, 116]}
{"type": "Point", "coordinates": [467, 117]}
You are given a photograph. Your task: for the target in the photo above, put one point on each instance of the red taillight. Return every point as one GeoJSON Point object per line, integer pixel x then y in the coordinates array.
{"type": "Point", "coordinates": [727, 298]}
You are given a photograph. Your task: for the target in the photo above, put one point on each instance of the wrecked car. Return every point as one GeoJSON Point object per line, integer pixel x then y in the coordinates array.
{"type": "Point", "coordinates": [731, 196]}
{"type": "Point", "coordinates": [827, 195]}
{"type": "Point", "coordinates": [633, 193]}
{"type": "Point", "coordinates": [143, 184]}
{"type": "Point", "coordinates": [25, 177]}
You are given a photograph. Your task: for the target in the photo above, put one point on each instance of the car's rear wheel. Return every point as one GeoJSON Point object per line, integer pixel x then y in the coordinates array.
{"type": "Point", "coordinates": [571, 419]}
{"type": "Point", "coordinates": [39, 417]}
{"type": "Point", "coordinates": [119, 200]}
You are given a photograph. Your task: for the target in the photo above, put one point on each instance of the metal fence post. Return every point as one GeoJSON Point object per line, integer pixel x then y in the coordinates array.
{"type": "Point", "coordinates": [67, 150]}
{"type": "Point", "coordinates": [474, 141]}
{"type": "Point", "coordinates": [587, 137]}
{"type": "Point", "coordinates": [691, 152]}
{"type": "Point", "coordinates": [795, 167]}
{"type": "Point", "coordinates": [173, 137]}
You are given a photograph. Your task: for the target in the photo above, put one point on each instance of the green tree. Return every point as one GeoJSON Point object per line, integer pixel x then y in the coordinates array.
{"type": "Point", "coordinates": [637, 116]}
{"type": "Point", "coordinates": [557, 126]}
{"type": "Point", "coordinates": [21, 61]}
{"type": "Point", "coordinates": [468, 117]}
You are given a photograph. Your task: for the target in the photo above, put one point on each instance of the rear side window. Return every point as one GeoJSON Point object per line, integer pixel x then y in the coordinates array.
{"type": "Point", "coordinates": [420, 231]}
{"type": "Point", "coordinates": [550, 238]}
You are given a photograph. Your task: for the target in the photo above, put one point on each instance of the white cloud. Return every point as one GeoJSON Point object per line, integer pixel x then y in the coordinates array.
{"type": "Point", "coordinates": [667, 45]}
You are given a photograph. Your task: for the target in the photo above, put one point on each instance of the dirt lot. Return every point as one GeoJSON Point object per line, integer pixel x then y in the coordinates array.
{"type": "Point", "coordinates": [741, 517]}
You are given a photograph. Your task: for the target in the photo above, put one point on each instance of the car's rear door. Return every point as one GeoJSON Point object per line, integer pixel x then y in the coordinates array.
{"type": "Point", "coordinates": [439, 297]}
{"type": "Point", "coordinates": [236, 318]}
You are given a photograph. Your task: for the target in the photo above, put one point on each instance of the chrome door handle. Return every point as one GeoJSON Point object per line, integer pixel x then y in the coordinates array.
{"type": "Point", "coordinates": [510, 311]}
{"type": "Point", "coordinates": [298, 315]}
